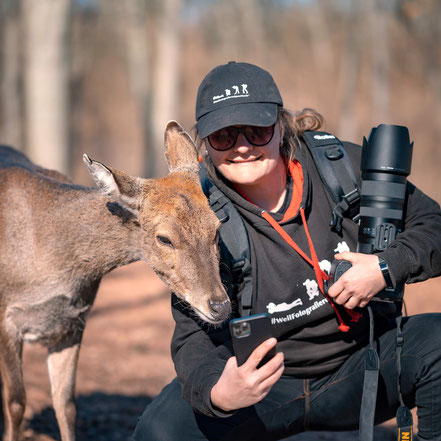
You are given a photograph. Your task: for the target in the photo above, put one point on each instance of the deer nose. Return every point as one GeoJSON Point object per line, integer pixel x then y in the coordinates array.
{"type": "Point", "coordinates": [221, 310]}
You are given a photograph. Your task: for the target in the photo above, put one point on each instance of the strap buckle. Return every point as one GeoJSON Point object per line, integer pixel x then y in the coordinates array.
{"type": "Point", "coordinates": [346, 202]}
{"type": "Point", "coordinates": [352, 197]}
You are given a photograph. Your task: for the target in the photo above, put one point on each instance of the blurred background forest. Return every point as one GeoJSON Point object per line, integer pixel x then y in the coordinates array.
{"type": "Point", "coordinates": [104, 76]}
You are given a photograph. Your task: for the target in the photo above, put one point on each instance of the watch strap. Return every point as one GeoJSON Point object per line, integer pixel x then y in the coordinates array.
{"type": "Point", "coordinates": [385, 271]}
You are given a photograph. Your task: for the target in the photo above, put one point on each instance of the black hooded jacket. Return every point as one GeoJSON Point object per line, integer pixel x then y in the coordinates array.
{"type": "Point", "coordinates": [285, 285]}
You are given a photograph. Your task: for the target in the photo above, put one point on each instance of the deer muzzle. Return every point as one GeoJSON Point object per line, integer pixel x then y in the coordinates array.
{"type": "Point", "coordinates": [221, 310]}
{"type": "Point", "coordinates": [213, 312]}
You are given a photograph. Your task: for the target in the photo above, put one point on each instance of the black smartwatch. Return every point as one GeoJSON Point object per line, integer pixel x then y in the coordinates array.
{"type": "Point", "coordinates": [385, 270]}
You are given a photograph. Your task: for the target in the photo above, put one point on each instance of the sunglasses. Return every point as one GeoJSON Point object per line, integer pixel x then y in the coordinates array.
{"type": "Point", "coordinates": [226, 138]}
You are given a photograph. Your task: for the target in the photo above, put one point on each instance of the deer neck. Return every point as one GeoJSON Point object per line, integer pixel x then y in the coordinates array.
{"type": "Point", "coordinates": [104, 236]}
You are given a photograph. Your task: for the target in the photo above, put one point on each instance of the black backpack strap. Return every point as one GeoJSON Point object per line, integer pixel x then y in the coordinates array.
{"type": "Point", "coordinates": [370, 386]}
{"type": "Point", "coordinates": [234, 243]}
{"type": "Point", "coordinates": [404, 415]}
{"type": "Point", "coordinates": [336, 173]}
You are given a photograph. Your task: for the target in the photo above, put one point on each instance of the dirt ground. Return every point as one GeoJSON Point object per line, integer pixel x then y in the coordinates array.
{"type": "Point", "coordinates": [125, 360]}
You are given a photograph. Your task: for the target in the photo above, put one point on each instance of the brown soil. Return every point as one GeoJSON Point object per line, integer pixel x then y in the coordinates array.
{"type": "Point", "coordinates": [125, 360]}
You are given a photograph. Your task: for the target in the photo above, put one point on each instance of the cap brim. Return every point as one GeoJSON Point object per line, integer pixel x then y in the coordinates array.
{"type": "Point", "coordinates": [254, 114]}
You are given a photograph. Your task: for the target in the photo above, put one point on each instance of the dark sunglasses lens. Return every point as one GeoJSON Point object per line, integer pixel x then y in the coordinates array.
{"type": "Point", "coordinates": [223, 139]}
{"type": "Point", "coordinates": [259, 135]}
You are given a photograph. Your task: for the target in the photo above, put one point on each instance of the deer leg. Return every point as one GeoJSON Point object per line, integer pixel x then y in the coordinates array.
{"type": "Point", "coordinates": [13, 392]}
{"type": "Point", "coordinates": [62, 366]}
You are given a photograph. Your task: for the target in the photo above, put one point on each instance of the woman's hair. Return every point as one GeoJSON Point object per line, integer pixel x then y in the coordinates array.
{"type": "Point", "coordinates": [293, 124]}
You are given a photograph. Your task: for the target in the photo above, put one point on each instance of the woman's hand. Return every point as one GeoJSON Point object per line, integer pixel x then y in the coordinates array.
{"type": "Point", "coordinates": [245, 385]}
{"type": "Point", "coordinates": [360, 283]}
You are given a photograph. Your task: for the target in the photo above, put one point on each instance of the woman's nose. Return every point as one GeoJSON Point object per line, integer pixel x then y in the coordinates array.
{"type": "Point", "coordinates": [242, 145]}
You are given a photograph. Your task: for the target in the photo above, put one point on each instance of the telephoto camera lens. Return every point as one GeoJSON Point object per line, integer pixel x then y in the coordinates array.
{"type": "Point", "coordinates": [385, 164]}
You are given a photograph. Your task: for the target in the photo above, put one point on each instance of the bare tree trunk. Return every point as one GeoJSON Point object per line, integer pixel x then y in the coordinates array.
{"type": "Point", "coordinates": [165, 82]}
{"type": "Point", "coordinates": [252, 29]}
{"type": "Point", "coordinates": [46, 81]}
{"type": "Point", "coordinates": [226, 42]}
{"type": "Point", "coordinates": [240, 28]}
{"type": "Point", "coordinates": [317, 21]}
{"type": "Point", "coordinates": [349, 75]}
{"type": "Point", "coordinates": [10, 96]}
{"type": "Point", "coordinates": [378, 21]}
{"type": "Point", "coordinates": [137, 56]}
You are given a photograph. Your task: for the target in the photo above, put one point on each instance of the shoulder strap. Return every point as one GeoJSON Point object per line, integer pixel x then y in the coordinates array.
{"type": "Point", "coordinates": [336, 173]}
{"type": "Point", "coordinates": [234, 243]}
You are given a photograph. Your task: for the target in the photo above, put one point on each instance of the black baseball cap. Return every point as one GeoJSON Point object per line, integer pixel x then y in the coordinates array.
{"type": "Point", "coordinates": [236, 93]}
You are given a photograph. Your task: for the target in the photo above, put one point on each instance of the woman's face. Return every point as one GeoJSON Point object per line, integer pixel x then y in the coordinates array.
{"type": "Point", "coordinates": [247, 164]}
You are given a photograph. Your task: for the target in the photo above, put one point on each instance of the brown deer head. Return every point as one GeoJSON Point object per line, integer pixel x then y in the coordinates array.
{"type": "Point", "coordinates": [177, 228]}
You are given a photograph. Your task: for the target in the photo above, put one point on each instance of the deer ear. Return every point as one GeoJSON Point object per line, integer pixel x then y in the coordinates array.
{"type": "Point", "coordinates": [181, 153]}
{"type": "Point", "coordinates": [124, 189]}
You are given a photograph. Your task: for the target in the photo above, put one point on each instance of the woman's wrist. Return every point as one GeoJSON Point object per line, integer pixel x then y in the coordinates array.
{"type": "Point", "coordinates": [385, 271]}
{"type": "Point", "coordinates": [217, 399]}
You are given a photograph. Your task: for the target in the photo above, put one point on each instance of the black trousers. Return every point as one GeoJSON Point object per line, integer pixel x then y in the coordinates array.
{"type": "Point", "coordinates": [331, 402]}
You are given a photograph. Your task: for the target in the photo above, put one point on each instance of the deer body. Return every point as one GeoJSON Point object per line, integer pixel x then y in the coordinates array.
{"type": "Point", "coordinates": [57, 241]}
{"type": "Point", "coordinates": [68, 258]}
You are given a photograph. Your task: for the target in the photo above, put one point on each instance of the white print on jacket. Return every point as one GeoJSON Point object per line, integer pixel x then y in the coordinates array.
{"type": "Point", "coordinates": [272, 307]}
{"type": "Point", "coordinates": [312, 288]}
{"type": "Point", "coordinates": [325, 265]}
{"type": "Point", "coordinates": [341, 247]}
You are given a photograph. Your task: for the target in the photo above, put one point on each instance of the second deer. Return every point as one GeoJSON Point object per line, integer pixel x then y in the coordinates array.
{"type": "Point", "coordinates": [58, 240]}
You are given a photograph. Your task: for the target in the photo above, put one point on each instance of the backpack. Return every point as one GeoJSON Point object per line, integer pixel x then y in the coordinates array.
{"type": "Point", "coordinates": [338, 177]}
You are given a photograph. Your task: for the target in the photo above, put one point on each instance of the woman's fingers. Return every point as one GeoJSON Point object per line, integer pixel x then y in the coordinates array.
{"type": "Point", "coordinates": [270, 367]}
{"type": "Point", "coordinates": [259, 353]}
{"type": "Point", "coordinates": [270, 380]}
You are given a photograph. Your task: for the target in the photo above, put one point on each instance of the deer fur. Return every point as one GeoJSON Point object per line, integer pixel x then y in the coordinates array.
{"type": "Point", "coordinates": [59, 239]}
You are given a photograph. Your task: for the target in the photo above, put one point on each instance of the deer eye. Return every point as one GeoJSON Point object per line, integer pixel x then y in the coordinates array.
{"type": "Point", "coordinates": [164, 240]}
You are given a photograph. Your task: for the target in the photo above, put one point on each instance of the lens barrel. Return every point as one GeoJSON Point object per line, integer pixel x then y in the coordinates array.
{"type": "Point", "coordinates": [385, 164]}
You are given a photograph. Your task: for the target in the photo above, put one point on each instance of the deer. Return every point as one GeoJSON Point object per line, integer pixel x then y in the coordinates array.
{"type": "Point", "coordinates": [59, 239]}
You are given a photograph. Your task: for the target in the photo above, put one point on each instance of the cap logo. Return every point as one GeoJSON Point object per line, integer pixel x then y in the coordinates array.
{"type": "Point", "coordinates": [234, 92]}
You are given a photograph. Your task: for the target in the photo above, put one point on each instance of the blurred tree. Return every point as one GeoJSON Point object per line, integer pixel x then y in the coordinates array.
{"type": "Point", "coordinates": [235, 30]}
{"type": "Point", "coordinates": [164, 81]}
{"type": "Point", "coordinates": [46, 81]}
{"type": "Point", "coordinates": [11, 80]}
{"type": "Point", "coordinates": [318, 19]}
{"type": "Point", "coordinates": [378, 16]}
{"type": "Point", "coordinates": [423, 19]}
{"type": "Point", "coordinates": [135, 33]}
{"type": "Point", "coordinates": [349, 73]}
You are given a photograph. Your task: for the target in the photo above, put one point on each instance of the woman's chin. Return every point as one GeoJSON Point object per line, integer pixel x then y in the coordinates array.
{"type": "Point", "coordinates": [248, 173]}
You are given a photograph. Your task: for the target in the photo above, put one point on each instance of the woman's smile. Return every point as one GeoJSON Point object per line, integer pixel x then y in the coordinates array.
{"type": "Point", "coordinates": [244, 160]}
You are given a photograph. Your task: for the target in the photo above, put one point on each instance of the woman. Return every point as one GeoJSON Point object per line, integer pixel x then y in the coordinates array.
{"type": "Point", "coordinates": [253, 152]}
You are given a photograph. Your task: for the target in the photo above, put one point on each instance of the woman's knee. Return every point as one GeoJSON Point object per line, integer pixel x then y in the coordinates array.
{"type": "Point", "coordinates": [165, 418]}
{"type": "Point", "coordinates": [421, 348]}
{"type": "Point", "coordinates": [422, 331]}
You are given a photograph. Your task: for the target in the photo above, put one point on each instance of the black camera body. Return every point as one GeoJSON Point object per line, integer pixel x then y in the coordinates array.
{"type": "Point", "coordinates": [385, 164]}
